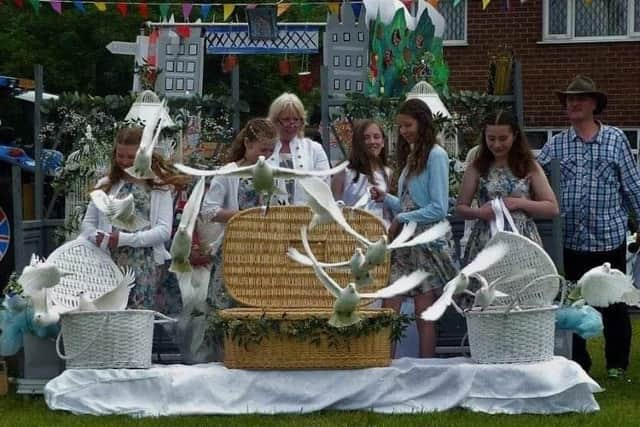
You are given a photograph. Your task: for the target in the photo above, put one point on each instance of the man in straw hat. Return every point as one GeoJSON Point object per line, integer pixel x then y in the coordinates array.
{"type": "Point", "coordinates": [600, 184]}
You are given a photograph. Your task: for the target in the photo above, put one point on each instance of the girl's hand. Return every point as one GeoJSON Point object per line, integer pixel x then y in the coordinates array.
{"type": "Point", "coordinates": [199, 258]}
{"type": "Point", "coordinates": [485, 212]}
{"type": "Point", "coordinates": [377, 195]}
{"type": "Point", "coordinates": [514, 203]}
{"type": "Point", "coordinates": [394, 230]}
{"type": "Point", "coordinates": [113, 239]}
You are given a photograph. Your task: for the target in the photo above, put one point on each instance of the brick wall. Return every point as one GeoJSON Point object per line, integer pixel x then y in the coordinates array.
{"type": "Point", "coordinates": [545, 67]}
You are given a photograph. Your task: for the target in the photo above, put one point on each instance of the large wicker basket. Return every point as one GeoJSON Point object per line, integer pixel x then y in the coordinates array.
{"type": "Point", "coordinates": [258, 273]}
{"type": "Point", "coordinates": [517, 336]}
{"type": "Point", "coordinates": [107, 339]}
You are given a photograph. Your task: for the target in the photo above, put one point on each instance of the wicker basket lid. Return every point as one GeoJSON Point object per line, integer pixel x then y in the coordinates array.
{"type": "Point", "coordinates": [93, 272]}
{"type": "Point", "coordinates": [257, 271]}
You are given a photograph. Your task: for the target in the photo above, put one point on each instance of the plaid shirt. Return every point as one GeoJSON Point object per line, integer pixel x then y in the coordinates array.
{"type": "Point", "coordinates": [600, 184]}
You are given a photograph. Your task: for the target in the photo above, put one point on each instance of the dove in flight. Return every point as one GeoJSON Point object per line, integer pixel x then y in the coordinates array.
{"type": "Point", "coordinates": [602, 286]}
{"type": "Point", "coordinates": [115, 299]}
{"type": "Point", "coordinates": [121, 213]}
{"type": "Point", "coordinates": [263, 175]}
{"type": "Point", "coordinates": [485, 259]}
{"type": "Point", "coordinates": [181, 244]}
{"type": "Point", "coordinates": [141, 168]}
{"type": "Point", "coordinates": [347, 298]}
{"type": "Point", "coordinates": [361, 275]}
{"type": "Point", "coordinates": [326, 210]}
{"type": "Point", "coordinates": [39, 275]}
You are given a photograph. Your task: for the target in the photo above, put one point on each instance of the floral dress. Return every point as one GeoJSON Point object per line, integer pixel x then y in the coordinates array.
{"type": "Point", "coordinates": [437, 258]}
{"type": "Point", "coordinates": [143, 294]}
{"type": "Point", "coordinates": [500, 182]}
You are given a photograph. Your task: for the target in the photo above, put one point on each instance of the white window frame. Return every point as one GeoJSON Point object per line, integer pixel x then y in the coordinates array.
{"type": "Point", "coordinates": [570, 36]}
{"type": "Point", "coordinates": [463, 41]}
{"type": "Point", "coordinates": [551, 131]}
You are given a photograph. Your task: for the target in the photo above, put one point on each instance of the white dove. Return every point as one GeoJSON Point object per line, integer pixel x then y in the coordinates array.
{"type": "Point", "coordinates": [487, 293]}
{"type": "Point", "coordinates": [115, 299]}
{"type": "Point", "coordinates": [181, 244]}
{"type": "Point", "coordinates": [326, 210]}
{"type": "Point", "coordinates": [141, 168]}
{"type": "Point", "coordinates": [263, 175]}
{"type": "Point", "coordinates": [39, 275]}
{"type": "Point", "coordinates": [602, 286]}
{"type": "Point", "coordinates": [120, 213]}
{"type": "Point", "coordinates": [348, 298]}
{"type": "Point", "coordinates": [485, 259]}
{"type": "Point", "coordinates": [361, 275]}
{"type": "Point", "coordinates": [41, 314]}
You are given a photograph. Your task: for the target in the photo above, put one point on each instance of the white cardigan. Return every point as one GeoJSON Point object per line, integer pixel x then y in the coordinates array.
{"type": "Point", "coordinates": [161, 219]}
{"type": "Point", "coordinates": [306, 154]}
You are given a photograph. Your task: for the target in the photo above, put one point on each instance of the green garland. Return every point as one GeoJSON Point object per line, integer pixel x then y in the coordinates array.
{"type": "Point", "coordinates": [248, 332]}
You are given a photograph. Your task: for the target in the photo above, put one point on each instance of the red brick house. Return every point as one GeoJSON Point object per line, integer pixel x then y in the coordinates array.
{"type": "Point", "coordinates": [554, 40]}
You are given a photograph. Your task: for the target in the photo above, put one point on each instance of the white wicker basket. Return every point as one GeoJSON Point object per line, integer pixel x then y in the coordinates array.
{"type": "Point", "coordinates": [108, 339]}
{"type": "Point", "coordinates": [524, 255]}
{"type": "Point", "coordinates": [518, 336]}
{"type": "Point", "coordinates": [94, 273]}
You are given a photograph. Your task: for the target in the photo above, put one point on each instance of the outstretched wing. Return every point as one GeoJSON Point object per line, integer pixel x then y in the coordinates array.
{"type": "Point", "coordinates": [230, 169]}
{"type": "Point", "coordinates": [280, 172]}
{"type": "Point", "coordinates": [436, 232]}
{"type": "Point", "coordinates": [486, 258]}
{"type": "Point", "coordinates": [403, 285]}
{"type": "Point", "coordinates": [327, 281]}
{"type": "Point", "coordinates": [296, 256]}
{"type": "Point", "coordinates": [437, 309]}
{"type": "Point", "coordinates": [321, 194]}
{"type": "Point", "coordinates": [101, 200]}
{"type": "Point", "coordinates": [192, 207]}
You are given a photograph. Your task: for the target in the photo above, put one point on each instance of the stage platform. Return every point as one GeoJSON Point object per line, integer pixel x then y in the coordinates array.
{"type": "Point", "coordinates": [408, 386]}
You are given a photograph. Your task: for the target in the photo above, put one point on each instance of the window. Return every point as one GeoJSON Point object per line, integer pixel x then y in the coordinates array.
{"type": "Point", "coordinates": [455, 18]}
{"type": "Point", "coordinates": [578, 20]}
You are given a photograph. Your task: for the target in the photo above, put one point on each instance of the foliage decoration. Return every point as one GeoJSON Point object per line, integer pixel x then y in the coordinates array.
{"type": "Point", "coordinates": [250, 331]}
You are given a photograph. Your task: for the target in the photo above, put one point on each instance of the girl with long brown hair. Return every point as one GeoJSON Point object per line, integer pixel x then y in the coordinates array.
{"type": "Point", "coordinates": [423, 197]}
{"type": "Point", "coordinates": [504, 168]}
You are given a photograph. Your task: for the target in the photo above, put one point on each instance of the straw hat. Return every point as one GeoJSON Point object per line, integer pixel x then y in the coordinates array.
{"type": "Point", "coordinates": [582, 85]}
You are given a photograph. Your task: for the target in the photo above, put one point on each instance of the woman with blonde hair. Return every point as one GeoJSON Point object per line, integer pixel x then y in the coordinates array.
{"type": "Point", "coordinates": [293, 150]}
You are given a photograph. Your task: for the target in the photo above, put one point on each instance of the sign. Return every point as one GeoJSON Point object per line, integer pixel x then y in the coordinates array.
{"type": "Point", "coordinates": [122, 48]}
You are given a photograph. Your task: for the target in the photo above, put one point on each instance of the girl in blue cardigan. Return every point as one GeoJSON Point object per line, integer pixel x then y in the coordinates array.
{"type": "Point", "coordinates": [423, 197]}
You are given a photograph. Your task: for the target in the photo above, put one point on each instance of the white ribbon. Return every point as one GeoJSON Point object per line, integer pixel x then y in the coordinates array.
{"type": "Point", "coordinates": [500, 213]}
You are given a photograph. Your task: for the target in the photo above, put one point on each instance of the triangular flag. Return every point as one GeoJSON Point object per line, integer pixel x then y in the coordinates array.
{"type": "Point", "coordinates": [79, 5]}
{"type": "Point", "coordinates": [588, 2]}
{"type": "Point", "coordinates": [19, 3]}
{"type": "Point", "coordinates": [282, 8]}
{"type": "Point", "coordinates": [122, 8]}
{"type": "Point", "coordinates": [143, 10]}
{"type": "Point", "coordinates": [101, 6]}
{"type": "Point", "coordinates": [205, 10]}
{"type": "Point", "coordinates": [356, 9]}
{"type": "Point", "coordinates": [434, 3]}
{"type": "Point", "coordinates": [36, 6]}
{"type": "Point", "coordinates": [456, 3]}
{"type": "Point", "coordinates": [183, 31]}
{"type": "Point", "coordinates": [485, 3]}
{"type": "Point", "coordinates": [227, 10]}
{"type": "Point", "coordinates": [186, 10]}
{"type": "Point", "coordinates": [408, 3]}
{"type": "Point", "coordinates": [251, 6]}
{"type": "Point", "coordinates": [57, 6]}
{"type": "Point", "coordinates": [334, 8]}
{"type": "Point", "coordinates": [164, 10]}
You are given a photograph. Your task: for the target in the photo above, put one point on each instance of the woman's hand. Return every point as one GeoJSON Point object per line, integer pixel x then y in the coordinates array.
{"type": "Point", "coordinates": [514, 203]}
{"type": "Point", "coordinates": [113, 239]}
{"type": "Point", "coordinates": [377, 195]}
{"type": "Point", "coordinates": [198, 258]}
{"type": "Point", "coordinates": [485, 212]}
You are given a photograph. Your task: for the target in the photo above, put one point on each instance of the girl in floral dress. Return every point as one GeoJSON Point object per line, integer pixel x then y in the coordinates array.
{"type": "Point", "coordinates": [423, 197]}
{"type": "Point", "coordinates": [505, 168]}
{"type": "Point", "coordinates": [141, 250]}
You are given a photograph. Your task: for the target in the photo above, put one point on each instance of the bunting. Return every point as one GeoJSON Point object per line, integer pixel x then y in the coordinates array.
{"type": "Point", "coordinates": [485, 3]}
{"type": "Point", "coordinates": [282, 8]}
{"type": "Point", "coordinates": [227, 10]}
{"type": "Point", "coordinates": [79, 5]}
{"type": "Point", "coordinates": [56, 5]}
{"type": "Point", "coordinates": [122, 9]}
{"type": "Point", "coordinates": [164, 10]}
{"type": "Point", "coordinates": [186, 10]}
{"type": "Point", "coordinates": [35, 4]}
{"type": "Point", "coordinates": [356, 7]}
{"type": "Point", "coordinates": [334, 8]}
{"type": "Point", "coordinates": [19, 3]}
{"type": "Point", "coordinates": [143, 10]}
{"type": "Point", "coordinates": [456, 3]}
{"type": "Point", "coordinates": [205, 10]}
{"type": "Point", "coordinates": [102, 7]}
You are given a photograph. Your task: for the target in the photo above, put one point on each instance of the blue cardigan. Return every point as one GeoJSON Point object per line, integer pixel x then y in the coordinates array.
{"type": "Point", "coordinates": [429, 190]}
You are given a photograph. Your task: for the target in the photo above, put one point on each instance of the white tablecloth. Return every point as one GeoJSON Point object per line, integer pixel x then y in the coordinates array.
{"type": "Point", "coordinates": [408, 385]}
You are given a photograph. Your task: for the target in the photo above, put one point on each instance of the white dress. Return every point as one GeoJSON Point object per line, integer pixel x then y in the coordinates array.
{"type": "Point", "coordinates": [353, 189]}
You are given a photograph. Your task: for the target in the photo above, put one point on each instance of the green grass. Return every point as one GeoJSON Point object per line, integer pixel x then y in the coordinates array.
{"type": "Point", "coordinates": [619, 403]}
